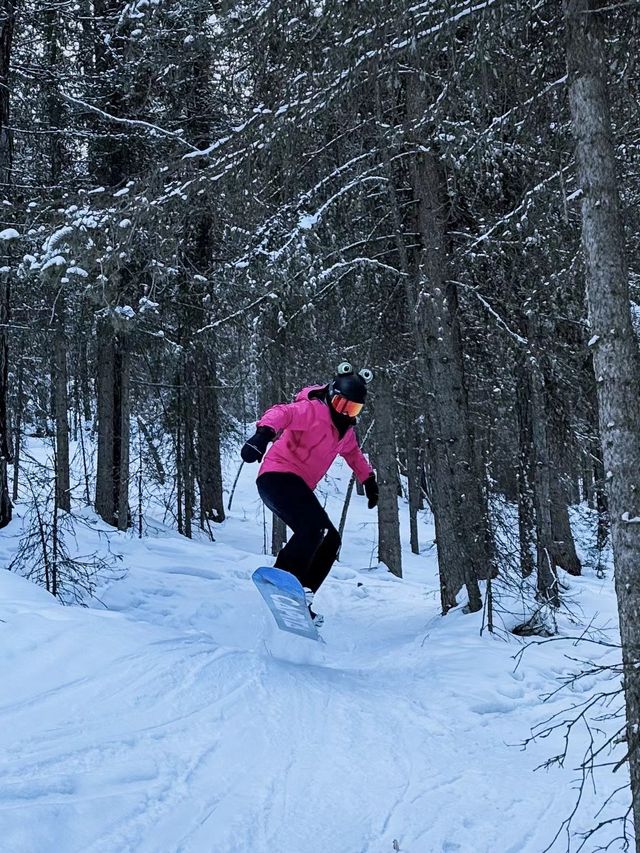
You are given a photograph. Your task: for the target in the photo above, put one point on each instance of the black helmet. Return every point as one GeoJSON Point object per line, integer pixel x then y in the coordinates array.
{"type": "Point", "coordinates": [349, 388]}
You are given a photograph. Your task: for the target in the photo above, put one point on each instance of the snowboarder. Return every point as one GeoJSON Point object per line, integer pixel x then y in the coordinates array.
{"type": "Point", "coordinates": [308, 434]}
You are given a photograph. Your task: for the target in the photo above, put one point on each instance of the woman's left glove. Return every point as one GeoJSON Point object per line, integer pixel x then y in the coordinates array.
{"type": "Point", "coordinates": [255, 447]}
{"type": "Point", "coordinates": [371, 490]}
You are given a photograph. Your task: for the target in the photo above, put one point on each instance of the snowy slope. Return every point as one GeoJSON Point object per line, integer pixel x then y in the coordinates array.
{"type": "Point", "coordinates": [171, 715]}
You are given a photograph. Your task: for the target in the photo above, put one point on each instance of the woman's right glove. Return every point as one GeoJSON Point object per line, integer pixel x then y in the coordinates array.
{"type": "Point", "coordinates": [255, 447]}
{"type": "Point", "coordinates": [371, 490]}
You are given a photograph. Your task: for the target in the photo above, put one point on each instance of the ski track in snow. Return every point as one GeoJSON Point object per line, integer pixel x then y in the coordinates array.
{"type": "Point", "coordinates": [180, 720]}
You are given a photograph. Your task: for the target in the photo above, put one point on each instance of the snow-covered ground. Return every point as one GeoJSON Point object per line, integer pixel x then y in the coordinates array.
{"type": "Point", "coordinates": [171, 714]}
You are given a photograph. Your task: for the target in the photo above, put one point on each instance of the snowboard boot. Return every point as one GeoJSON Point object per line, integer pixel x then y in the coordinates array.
{"type": "Point", "coordinates": [317, 618]}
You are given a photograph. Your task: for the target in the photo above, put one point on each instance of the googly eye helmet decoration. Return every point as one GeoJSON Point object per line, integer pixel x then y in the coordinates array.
{"type": "Point", "coordinates": [347, 392]}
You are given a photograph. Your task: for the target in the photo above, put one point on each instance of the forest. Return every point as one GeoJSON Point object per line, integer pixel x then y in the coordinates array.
{"type": "Point", "coordinates": [207, 206]}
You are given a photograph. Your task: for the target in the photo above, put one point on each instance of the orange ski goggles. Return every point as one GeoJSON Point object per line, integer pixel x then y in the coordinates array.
{"type": "Point", "coordinates": [346, 407]}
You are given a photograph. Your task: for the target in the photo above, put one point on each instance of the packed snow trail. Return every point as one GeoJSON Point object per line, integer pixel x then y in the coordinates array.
{"type": "Point", "coordinates": [174, 716]}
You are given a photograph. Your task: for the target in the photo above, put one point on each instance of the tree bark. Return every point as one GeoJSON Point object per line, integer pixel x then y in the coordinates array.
{"type": "Point", "coordinates": [563, 542]}
{"type": "Point", "coordinates": [105, 484]}
{"type": "Point", "coordinates": [615, 348]}
{"type": "Point", "coordinates": [459, 507]}
{"type": "Point", "coordinates": [7, 24]}
{"type": "Point", "coordinates": [179, 471]}
{"type": "Point", "coordinates": [456, 498]}
{"type": "Point", "coordinates": [189, 482]}
{"type": "Point", "coordinates": [188, 460]}
{"type": "Point", "coordinates": [5, 447]}
{"type": "Point", "coordinates": [547, 578]}
{"type": "Point", "coordinates": [122, 424]}
{"type": "Point", "coordinates": [386, 464]}
{"type": "Point", "coordinates": [209, 463]}
{"type": "Point", "coordinates": [17, 442]}
{"type": "Point", "coordinates": [594, 460]}
{"type": "Point", "coordinates": [414, 474]}
{"type": "Point", "coordinates": [63, 490]}
{"type": "Point", "coordinates": [113, 410]}
{"type": "Point", "coordinates": [526, 510]}
{"type": "Point", "coordinates": [587, 481]}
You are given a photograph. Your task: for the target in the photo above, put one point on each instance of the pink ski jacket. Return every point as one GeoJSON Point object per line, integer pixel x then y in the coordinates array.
{"type": "Point", "coordinates": [309, 441]}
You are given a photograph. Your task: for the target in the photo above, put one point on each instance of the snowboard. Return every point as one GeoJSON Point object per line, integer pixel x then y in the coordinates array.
{"type": "Point", "coordinates": [284, 596]}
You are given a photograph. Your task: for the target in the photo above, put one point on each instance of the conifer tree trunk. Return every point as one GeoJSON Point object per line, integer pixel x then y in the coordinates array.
{"type": "Point", "coordinates": [547, 579]}
{"type": "Point", "coordinates": [526, 512]}
{"type": "Point", "coordinates": [84, 383]}
{"type": "Point", "coordinates": [122, 425]}
{"type": "Point", "coordinates": [189, 484]}
{"type": "Point", "coordinates": [179, 454]}
{"type": "Point", "coordinates": [594, 461]}
{"type": "Point", "coordinates": [110, 160]}
{"type": "Point", "coordinates": [456, 497]}
{"type": "Point", "coordinates": [210, 467]}
{"type": "Point", "coordinates": [386, 464]}
{"type": "Point", "coordinates": [7, 22]}
{"type": "Point", "coordinates": [615, 348]}
{"type": "Point", "coordinates": [186, 415]}
{"type": "Point", "coordinates": [113, 410]}
{"type": "Point", "coordinates": [60, 347]}
{"type": "Point", "coordinates": [199, 251]}
{"type": "Point", "coordinates": [5, 445]}
{"type": "Point", "coordinates": [564, 544]}
{"type": "Point", "coordinates": [61, 404]}
{"type": "Point", "coordinates": [414, 472]}
{"type": "Point", "coordinates": [18, 428]}
{"type": "Point", "coordinates": [105, 360]}
{"type": "Point", "coordinates": [458, 502]}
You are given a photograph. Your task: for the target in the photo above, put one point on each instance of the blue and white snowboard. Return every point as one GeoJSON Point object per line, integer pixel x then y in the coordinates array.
{"type": "Point", "coordinates": [284, 597]}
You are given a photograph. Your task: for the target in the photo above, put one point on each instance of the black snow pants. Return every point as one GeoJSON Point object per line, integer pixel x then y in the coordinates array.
{"type": "Point", "coordinates": [313, 548]}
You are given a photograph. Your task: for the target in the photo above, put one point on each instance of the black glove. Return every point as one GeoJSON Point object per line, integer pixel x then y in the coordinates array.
{"type": "Point", "coordinates": [371, 491]}
{"type": "Point", "coordinates": [255, 447]}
